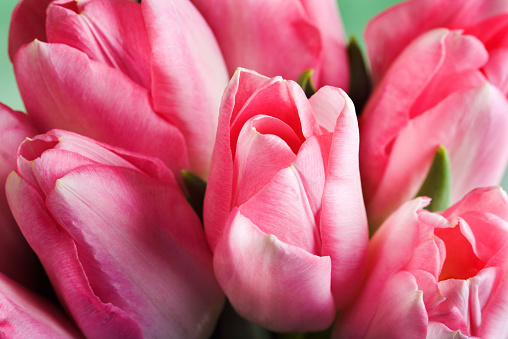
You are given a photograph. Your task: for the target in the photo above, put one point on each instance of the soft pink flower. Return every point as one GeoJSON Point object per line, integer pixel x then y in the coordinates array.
{"type": "Point", "coordinates": [434, 94]}
{"type": "Point", "coordinates": [433, 275]}
{"type": "Point", "coordinates": [284, 212]}
{"type": "Point", "coordinates": [279, 37]}
{"type": "Point", "coordinates": [123, 249]}
{"type": "Point", "coordinates": [486, 19]}
{"type": "Point", "coordinates": [17, 260]}
{"type": "Point", "coordinates": [27, 315]}
{"type": "Point", "coordinates": [147, 77]}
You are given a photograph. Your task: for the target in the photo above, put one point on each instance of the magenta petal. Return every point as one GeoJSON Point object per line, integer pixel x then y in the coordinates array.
{"type": "Point", "coordinates": [101, 103]}
{"type": "Point", "coordinates": [270, 283]}
{"type": "Point", "coordinates": [188, 74]}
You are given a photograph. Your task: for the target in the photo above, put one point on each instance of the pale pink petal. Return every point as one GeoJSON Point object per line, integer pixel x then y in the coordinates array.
{"type": "Point", "coordinates": [385, 41]}
{"type": "Point", "coordinates": [25, 314]}
{"type": "Point", "coordinates": [101, 103]}
{"type": "Point", "coordinates": [402, 95]}
{"type": "Point", "coordinates": [264, 278]}
{"type": "Point", "coordinates": [110, 32]}
{"type": "Point", "coordinates": [343, 222]}
{"type": "Point", "coordinates": [327, 103]}
{"type": "Point", "coordinates": [486, 199]}
{"type": "Point", "coordinates": [245, 33]}
{"type": "Point", "coordinates": [471, 125]}
{"type": "Point", "coordinates": [188, 74]}
{"type": "Point", "coordinates": [401, 312]}
{"type": "Point", "coordinates": [439, 330]}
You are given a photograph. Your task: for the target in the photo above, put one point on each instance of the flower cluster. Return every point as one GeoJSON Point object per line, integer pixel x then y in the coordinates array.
{"type": "Point", "coordinates": [148, 196]}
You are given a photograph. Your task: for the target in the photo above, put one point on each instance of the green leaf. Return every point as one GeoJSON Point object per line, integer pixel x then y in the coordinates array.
{"type": "Point", "coordinates": [196, 188]}
{"type": "Point", "coordinates": [305, 82]}
{"type": "Point", "coordinates": [438, 184]}
{"type": "Point", "coordinates": [360, 84]}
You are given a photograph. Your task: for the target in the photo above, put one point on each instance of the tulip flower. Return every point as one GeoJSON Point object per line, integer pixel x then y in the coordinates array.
{"type": "Point", "coordinates": [434, 94]}
{"type": "Point", "coordinates": [146, 77]}
{"type": "Point", "coordinates": [125, 252]}
{"type": "Point", "coordinates": [487, 20]}
{"type": "Point", "coordinates": [17, 260]}
{"type": "Point", "coordinates": [283, 38]}
{"type": "Point", "coordinates": [436, 275]}
{"type": "Point", "coordinates": [283, 212]}
{"type": "Point", "coordinates": [25, 314]}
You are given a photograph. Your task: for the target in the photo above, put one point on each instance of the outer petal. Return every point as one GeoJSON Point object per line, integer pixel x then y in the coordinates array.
{"type": "Point", "coordinates": [471, 125]}
{"type": "Point", "coordinates": [244, 30]}
{"type": "Point", "coordinates": [264, 278]}
{"type": "Point", "coordinates": [386, 41]}
{"type": "Point", "coordinates": [25, 314]}
{"type": "Point", "coordinates": [16, 258]}
{"type": "Point", "coordinates": [343, 223]}
{"type": "Point", "coordinates": [188, 74]}
{"type": "Point", "coordinates": [101, 102]}
{"type": "Point", "coordinates": [432, 67]}
{"type": "Point", "coordinates": [110, 32]}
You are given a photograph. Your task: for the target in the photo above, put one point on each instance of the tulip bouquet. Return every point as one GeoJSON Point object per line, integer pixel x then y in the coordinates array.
{"type": "Point", "coordinates": [237, 169]}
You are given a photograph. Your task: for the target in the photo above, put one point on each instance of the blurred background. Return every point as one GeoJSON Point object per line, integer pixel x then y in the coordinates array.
{"type": "Point", "coordinates": [355, 15]}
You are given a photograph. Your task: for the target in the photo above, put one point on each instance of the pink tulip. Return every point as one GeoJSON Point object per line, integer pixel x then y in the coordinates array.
{"type": "Point", "coordinates": [434, 94]}
{"type": "Point", "coordinates": [436, 275]}
{"type": "Point", "coordinates": [487, 20]}
{"type": "Point", "coordinates": [147, 77]}
{"type": "Point", "coordinates": [27, 315]}
{"type": "Point", "coordinates": [284, 213]}
{"type": "Point", "coordinates": [123, 249]}
{"type": "Point", "coordinates": [278, 37]}
{"type": "Point", "coordinates": [17, 260]}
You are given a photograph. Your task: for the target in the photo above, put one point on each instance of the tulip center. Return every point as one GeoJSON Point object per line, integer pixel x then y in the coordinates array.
{"type": "Point", "coordinates": [461, 260]}
{"type": "Point", "coordinates": [32, 149]}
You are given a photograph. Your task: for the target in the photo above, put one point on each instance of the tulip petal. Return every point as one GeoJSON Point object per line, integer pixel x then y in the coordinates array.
{"type": "Point", "coordinates": [147, 273]}
{"type": "Point", "coordinates": [264, 278]}
{"type": "Point", "coordinates": [25, 314]}
{"type": "Point", "coordinates": [244, 31]}
{"type": "Point", "coordinates": [101, 103]}
{"type": "Point", "coordinates": [385, 42]}
{"type": "Point", "coordinates": [471, 125]}
{"type": "Point", "coordinates": [188, 74]}
{"type": "Point", "coordinates": [343, 222]}
{"type": "Point", "coordinates": [110, 32]}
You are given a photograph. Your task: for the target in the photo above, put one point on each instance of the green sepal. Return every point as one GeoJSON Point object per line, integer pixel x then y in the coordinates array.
{"type": "Point", "coordinates": [438, 184]}
{"type": "Point", "coordinates": [360, 83]}
{"type": "Point", "coordinates": [305, 82]}
{"type": "Point", "coordinates": [196, 188]}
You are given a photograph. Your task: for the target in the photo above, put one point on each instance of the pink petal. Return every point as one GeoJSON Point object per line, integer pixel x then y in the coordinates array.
{"type": "Point", "coordinates": [275, 285]}
{"type": "Point", "coordinates": [188, 74]}
{"type": "Point", "coordinates": [343, 222]}
{"type": "Point", "coordinates": [245, 33]}
{"type": "Point", "coordinates": [471, 125]}
{"type": "Point", "coordinates": [110, 32]}
{"type": "Point", "coordinates": [101, 103]}
{"type": "Point", "coordinates": [26, 314]}
{"type": "Point", "coordinates": [386, 41]}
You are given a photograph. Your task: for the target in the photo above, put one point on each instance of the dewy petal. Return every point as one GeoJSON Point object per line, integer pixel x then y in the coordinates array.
{"type": "Point", "coordinates": [343, 223]}
{"type": "Point", "coordinates": [16, 258]}
{"type": "Point", "coordinates": [101, 103]}
{"type": "Point", "coordinates": [110, 32]}
{"type": "Point", "coordinates": [158, 238]}
{"type": "Point", "coordinates": [26, 314]}
{"type": "Point", "coordinates": [471, 125]}
{"type": "Point", "coordinates": [245, 33]}
{"type": "Point", "coordinates": [270, 283]}
{"type": "Point", "coordinates": [188, 74]}
{"type": "Point", "coordinates": [385, 41]}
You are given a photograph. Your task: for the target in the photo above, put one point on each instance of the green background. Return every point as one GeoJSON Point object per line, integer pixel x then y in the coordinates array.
{"type": "Point", "coordinates": [355, 15]}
